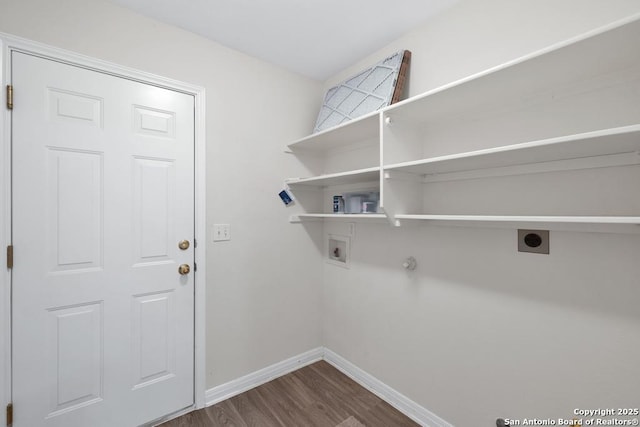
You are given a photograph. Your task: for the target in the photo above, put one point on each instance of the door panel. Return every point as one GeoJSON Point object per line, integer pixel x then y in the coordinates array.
{"type": "Point", "coordinates": [102, 194]}
{"type": "Point", "coordinates": [75, 356]}
{"type": "Point", "coordinates": [154, 194]}
{"type": "Point", "coordinates": [158, 123]}
{"type": "Point", "coordinates": [153, 340]}
{"type": "Point", "coordinates": [76, 108]}
{"type": "Point", "coordinates": [74, 188]}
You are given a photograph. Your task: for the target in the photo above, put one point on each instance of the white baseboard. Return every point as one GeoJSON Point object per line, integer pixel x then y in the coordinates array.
{"type": "Point", "coordinates": [242, 384]}
{"type": "Point", "coordinates": [399, 401]}
{"type": "Point", "coordinates": [402, 403]}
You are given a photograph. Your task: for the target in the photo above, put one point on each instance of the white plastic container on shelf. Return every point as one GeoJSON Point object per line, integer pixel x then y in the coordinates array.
{"type": "Point", "coordinates": [361, 202]}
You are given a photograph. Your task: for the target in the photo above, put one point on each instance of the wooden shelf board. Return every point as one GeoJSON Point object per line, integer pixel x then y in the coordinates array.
{"type": "Point", "coordinates": [632, 220]}
{"type": "Point", "coordinates": [349, 177]}
{"type": "Point", "coordinates": [591, 224]}
{"type": "Point", "coordinates": [598, 143]}
{"type": "Point", "coordinates": [363, 128]}
{"type": "Point", "coordinates": [347, 217]}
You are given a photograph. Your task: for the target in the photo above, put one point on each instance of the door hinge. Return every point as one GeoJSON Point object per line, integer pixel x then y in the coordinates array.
{"type": "Point", "coordinates": [10, 256]}
{"type": "Point", "coordinates": [10, 414]}
{"type": "Point", "coordinates": [10, 97]}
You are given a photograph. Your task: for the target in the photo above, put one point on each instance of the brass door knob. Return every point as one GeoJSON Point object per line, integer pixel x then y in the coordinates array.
{"type": "Point", "coordinates": [183, 244]}
{"type": "Point", "coordinates": [184, 269]}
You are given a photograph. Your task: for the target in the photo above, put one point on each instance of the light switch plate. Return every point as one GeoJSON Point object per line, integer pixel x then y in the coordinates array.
{"type": "Point", "coordinates": [221, 232]}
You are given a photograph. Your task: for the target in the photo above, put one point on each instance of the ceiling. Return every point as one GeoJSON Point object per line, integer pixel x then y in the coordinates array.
{"type": "Point", "coordinates": [312, 37]}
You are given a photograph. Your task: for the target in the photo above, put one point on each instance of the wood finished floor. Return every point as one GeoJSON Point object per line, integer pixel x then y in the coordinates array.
{"type": "Point", "coordinates": [315, 395]}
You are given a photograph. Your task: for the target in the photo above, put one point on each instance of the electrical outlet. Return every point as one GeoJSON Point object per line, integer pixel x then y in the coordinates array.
{"type": "Point", "coordinates": [221, 232]}
{"type": "Point", "coordinates": [534, 241]}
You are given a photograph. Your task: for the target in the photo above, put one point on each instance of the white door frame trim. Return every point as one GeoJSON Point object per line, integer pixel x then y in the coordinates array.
{"type": "Point", "coordinates": [9, 43]}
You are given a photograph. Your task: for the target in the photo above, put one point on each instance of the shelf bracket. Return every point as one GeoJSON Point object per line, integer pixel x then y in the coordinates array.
{"type": "Point", "coordinates": [294, 219]}
{"type": "Point", "coordinates": [401, 176]}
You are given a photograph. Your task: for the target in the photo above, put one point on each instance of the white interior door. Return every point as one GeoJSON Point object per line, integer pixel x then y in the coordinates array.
{"type": "Point", "coordinates": [103, 191]}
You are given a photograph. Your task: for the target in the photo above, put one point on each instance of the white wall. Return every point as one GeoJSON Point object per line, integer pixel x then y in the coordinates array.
{"type": "Point", "coordinates": [481, 331]}
{"type": "Point", "coordinates": [263, 287]}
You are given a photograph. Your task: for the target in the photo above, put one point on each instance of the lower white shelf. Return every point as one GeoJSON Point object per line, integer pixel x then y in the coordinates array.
{"type": "Point", "coordinates": [513, 218]}
{"type": "Point", "coordinates": [607, 224]}
{"type": "Point", "coordinates": [623, 224]}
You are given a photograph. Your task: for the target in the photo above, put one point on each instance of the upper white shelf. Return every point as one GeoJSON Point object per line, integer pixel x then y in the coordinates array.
{"type": "Point", "coordinates": [542, 75]}
{"type": "Point", "coordinates": [603, 142]}
{"type": "Point", "coordinates": [350, 177]}
{"type": "Point", "coordinates": [361, 129]}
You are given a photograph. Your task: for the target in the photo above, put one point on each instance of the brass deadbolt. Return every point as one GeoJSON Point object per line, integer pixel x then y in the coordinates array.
{"type": "Point", "coordinates": [184, 269]}
{"type": "Point", "coordinates": [183, 244]}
